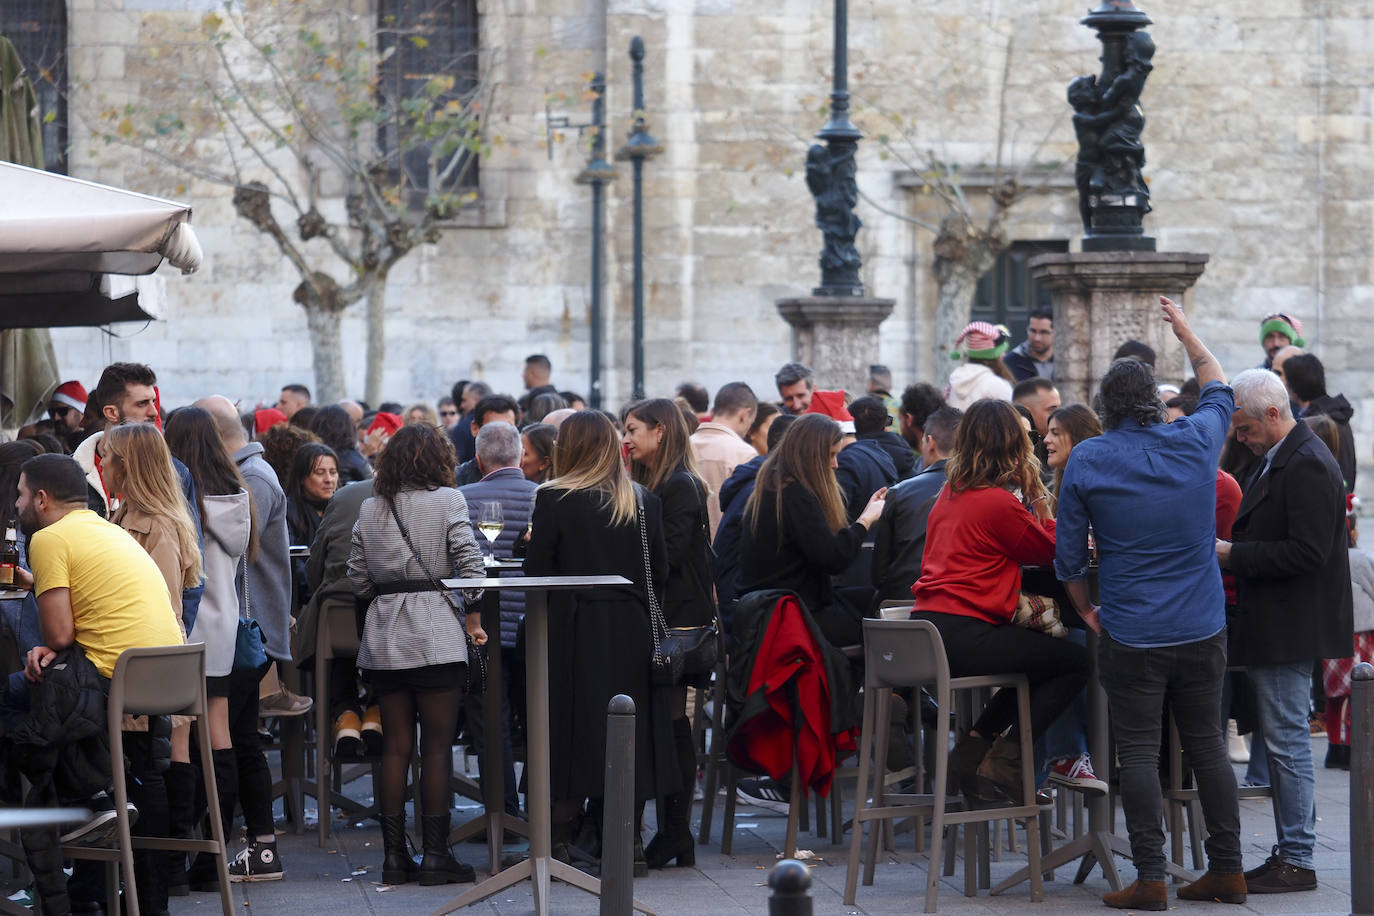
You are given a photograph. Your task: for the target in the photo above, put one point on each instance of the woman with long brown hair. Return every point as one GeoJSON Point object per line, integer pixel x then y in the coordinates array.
{"type": "Point", "coordinates": [230, 538]}
{"type": "Point", "coordinates": [414, 531]}
{"type": "Point", "coordinates": [587, 522]}
{"type": "Point", "coordinates": [796, 534]}
{"type": "Point", "coordinates": [656, 439]}
{"type": "Point", "coordinates": [1067, 427]}
{"type": "Point", "coordinates": [979, 535]}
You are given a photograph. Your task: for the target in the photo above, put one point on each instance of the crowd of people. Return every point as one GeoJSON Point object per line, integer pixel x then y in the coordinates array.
{"type": "Point", "coordinates": [1180, 523]}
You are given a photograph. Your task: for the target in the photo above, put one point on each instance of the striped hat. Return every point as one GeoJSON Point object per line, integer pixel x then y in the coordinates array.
{"type": "Point", "coordinates": [1283, 324]}
{"type": "Point", "coordinates": [981, 341]}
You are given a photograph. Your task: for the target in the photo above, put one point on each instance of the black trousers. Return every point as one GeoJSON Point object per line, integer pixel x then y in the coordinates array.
{"type": "Point", "coordinates": [255, 778]}
{"type": "Point", "coordinates": [1056, 668]}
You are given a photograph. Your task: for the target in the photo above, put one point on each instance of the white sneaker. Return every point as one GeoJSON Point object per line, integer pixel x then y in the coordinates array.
{"type": "Point", "coordinates": [1236, 748]}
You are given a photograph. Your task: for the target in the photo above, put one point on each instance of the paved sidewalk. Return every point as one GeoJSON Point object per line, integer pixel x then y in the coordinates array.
{"type": "Point", "coordinates": [324, 880]}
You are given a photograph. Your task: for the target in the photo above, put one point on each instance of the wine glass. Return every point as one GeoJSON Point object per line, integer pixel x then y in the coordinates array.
{"type": "Point", "coordinates": [491, 522]}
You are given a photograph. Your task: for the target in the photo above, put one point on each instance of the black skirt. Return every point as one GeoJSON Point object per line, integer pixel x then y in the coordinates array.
{"type": "Point", "coordinates": [425, 679]}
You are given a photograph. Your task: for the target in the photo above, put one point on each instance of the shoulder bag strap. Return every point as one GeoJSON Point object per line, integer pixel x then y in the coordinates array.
{"type": "Point", "coordinates": [438, 586]}
{"type": "Point", "coordinates": [656, 622]}
{"type": "Point", "coordinates": [247, 605]}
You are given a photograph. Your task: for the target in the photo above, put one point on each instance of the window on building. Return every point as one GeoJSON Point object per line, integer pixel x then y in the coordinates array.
{"type": "Point", "coordinates": [1006, 294]}
{"type": "Point", "coordinates": [422, 39]}
{"type": "Point", "coordinates": [38, 31]}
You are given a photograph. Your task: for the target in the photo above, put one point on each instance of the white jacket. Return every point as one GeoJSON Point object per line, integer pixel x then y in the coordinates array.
{"type": "Point", "coordinates": [85, 456]}
{"type": "Point", "coordinates": [973, 382]}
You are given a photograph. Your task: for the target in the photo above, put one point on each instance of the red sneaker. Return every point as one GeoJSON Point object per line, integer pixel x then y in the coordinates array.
{"type": "Point", "coordinates": [1077, 773]}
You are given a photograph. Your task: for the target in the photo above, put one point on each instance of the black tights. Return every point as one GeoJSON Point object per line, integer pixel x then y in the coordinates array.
{"type": "Point", "coordinates": [438, 714]}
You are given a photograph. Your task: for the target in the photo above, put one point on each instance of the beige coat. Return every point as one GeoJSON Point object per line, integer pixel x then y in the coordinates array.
{"type": "Point", "coordinates": [718, 450]}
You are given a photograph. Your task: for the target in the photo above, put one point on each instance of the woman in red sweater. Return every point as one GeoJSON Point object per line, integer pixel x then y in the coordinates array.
{"type": "Point", "coordinates": [979, 536]}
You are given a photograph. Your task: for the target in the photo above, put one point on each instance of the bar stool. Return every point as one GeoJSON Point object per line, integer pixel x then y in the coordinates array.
{"type": "Point", "coordinates": [910, 653]}
{"type": "Point", "coordinates": [156, 681]}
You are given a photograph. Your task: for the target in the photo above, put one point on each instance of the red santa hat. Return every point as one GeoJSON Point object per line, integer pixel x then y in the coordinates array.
{"type": "Point", "coordinates": [388, 423]}
{"type": "Point", "coordinates": [72, 394]}
{"type": "Point", "coordinates": [831, 403]}
{"type": "Point", "coordinates": [266, 418]}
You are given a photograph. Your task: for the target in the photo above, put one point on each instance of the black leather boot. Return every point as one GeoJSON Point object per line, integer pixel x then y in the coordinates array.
{"type": "Point", "coordinates": [181, 779]}
{"type": "Point", "coordinates": [398, 867]}
{"type": "Point", "coordinates": [674, 838]}
{"type": "Point", "coordinates": [439, 866]}
{"type": "Point", "coordinates": [204, 874]}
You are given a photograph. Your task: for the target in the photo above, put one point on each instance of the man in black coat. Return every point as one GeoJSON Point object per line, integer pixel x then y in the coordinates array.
{"type": "Point", "coordinates": [871, 420]}
{"type": "Point", "coordinates": [1292, 569]}
{"type": "Point", "coordinates": [899, 538]}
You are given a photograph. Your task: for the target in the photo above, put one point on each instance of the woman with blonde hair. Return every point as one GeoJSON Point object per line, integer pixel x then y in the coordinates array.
{"type": "Point", "coordinates": [421, 414]}
{"type": "Point", "coordinates": [656, 439]}
{"type": "Point", "coordinates": [979, 535]}
{"type": "Point", "coordinates": [796, 534]}
{"type": "Point", "coordinates": [591, 520]}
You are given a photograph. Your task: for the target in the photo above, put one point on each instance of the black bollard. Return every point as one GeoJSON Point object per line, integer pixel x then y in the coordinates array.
{"type": "Point", "coordinates": [791, 884]}
{"type": "Point", "coordinates": [1361, 789]}
{"type": "Point", "coordinates": [618, 814]}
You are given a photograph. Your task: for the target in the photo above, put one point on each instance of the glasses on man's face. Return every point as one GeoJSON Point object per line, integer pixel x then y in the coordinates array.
{"type": "Point", "coordinates": [58, 411]}
{"type": "Point", "coordinates": [448, 413]}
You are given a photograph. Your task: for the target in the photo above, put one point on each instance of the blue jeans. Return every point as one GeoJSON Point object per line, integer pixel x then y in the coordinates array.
{"type": "Point", "coordinates": [1282, 694]}
{"type": "Point", "coordinates": [1140, 683]}
{"type": "Point", "coordinates": [1067, 736]}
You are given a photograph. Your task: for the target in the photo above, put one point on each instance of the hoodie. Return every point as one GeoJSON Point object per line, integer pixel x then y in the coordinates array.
{"type": "Point", "coordinates": [1338, 409]}
{"type": "Point", "coordinates": [974, 381]}
{"type": "Point", "coordinates": [227, 522]}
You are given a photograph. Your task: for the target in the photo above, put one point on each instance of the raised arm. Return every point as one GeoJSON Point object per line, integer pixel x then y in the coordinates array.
{"type": "Point", "coordinates": [1205, 365]}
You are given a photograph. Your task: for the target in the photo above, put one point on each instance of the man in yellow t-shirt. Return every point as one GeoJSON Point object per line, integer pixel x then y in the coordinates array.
{"type": "Point", "coordinates": [94, 584]}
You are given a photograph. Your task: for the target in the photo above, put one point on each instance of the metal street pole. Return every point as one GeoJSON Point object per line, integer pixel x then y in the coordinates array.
{"type": "Point", "coordinates": [597, 174]}
{"type": "Point", "coordinates": [830, 174]}
{"type": "Point", "coordinates": [640, 146]}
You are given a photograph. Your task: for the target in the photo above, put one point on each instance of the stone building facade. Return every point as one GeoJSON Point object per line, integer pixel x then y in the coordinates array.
{"type": "Point", "coordinates": [1259, 154]}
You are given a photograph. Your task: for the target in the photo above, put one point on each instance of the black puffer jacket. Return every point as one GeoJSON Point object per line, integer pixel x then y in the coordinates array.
{"type": "Point", "coordinates": [1339, 410]}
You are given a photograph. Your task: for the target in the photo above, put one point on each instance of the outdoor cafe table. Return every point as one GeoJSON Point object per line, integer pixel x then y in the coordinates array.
{"type": "Point", "coordinates": [540, 866]}
{"type": "Point", "coordinates": [1099, 844]}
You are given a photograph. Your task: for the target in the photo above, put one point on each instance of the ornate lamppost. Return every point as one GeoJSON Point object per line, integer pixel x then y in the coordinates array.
{"type": "Point", "coordinates": [830, 174]}
{"type": "Point", "coordinates": [598, 174]}
{"type": "Point", "coordinates": [640, 146]}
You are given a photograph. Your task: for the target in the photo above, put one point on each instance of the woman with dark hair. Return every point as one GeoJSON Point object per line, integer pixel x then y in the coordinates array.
{"type": "Point", "coordinates": [1067, 427]}
{"type": "Point", "coordinates": [796, 534]}
{"type": "Point", "coordinates": [414, 531]}
{"type": "Point", "coordinates": [978, 536]}
{"type": "Point", "coordinates": [279, 445]}
{"type": "Point", "coordinates": [541, 405]}
{"type": "Point", "coordinates": [304, 417]}
{"type": "Point", "coordinates": [310, 484]}
{"type": "Point", "coordinates": [656, 440]}
{"type": "Point", "coordinates": [758, 430]}
{"type": "Point", "coordinates": [337, 430]}
{"type": "Point", "coordinates": [537, 459]}
{"type": "Point", "coordinates": [587, 522]}
{"type": "Point", "coordinates": [230, 539]}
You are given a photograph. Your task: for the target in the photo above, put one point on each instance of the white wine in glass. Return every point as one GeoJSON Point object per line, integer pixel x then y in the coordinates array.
{"type": "Point", "coordinates": [491, 521]}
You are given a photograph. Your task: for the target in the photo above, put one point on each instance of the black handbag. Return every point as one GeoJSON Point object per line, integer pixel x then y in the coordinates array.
{"type": "Point", "coordinates": [477, 655]}
{"type": "Point", "coordinates": [679, 652]}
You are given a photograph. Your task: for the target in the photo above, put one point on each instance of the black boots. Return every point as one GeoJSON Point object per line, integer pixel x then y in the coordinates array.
{"type": "Point", "coordinates": [182, 780]}
{"type": "Point", "coordinates": [203, 874]}
{"type": "Point", "coordinates": [398, 867]}
{"type": "Point", "coordinates": [674, 838]}
{"type": "Point", "coordinates": [438, 866]}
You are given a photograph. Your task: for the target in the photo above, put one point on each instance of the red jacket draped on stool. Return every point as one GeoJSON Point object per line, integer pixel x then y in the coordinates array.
{"type": "Point", "coordinates": [781, 688]}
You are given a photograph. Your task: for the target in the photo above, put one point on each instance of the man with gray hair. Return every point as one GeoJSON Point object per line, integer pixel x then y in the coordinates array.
{"type": "Point", "coordinates": [795, 387]}
{"type": "Point", "coordinates": [498, 458]}
{"type": "Point", "coordinates": [1288, 552]}
{"type": "Point", "coordinates": [1148, 489]}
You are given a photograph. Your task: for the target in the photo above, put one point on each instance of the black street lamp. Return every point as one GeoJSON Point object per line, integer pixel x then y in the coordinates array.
{"type": "Point", "coordinates": [830, 174]}
{"type": "Point", "coordinates": [640, 146]}
{"type": "Point", "coordinates": [598, 174]}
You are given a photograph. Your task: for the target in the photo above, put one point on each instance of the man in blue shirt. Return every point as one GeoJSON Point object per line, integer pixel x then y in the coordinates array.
{"type": "Point", "coordinates": [1148, 491]}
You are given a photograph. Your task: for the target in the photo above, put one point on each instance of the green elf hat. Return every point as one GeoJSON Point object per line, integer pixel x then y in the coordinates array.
{"type": "Point", "coordinates": [1288, 327]}
{"type": "Point", "coordinates": [981, 340]}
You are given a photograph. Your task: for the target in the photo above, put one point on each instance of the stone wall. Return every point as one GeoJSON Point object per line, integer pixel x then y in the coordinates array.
{"type": "Point", "coordinates": [1258, 139]}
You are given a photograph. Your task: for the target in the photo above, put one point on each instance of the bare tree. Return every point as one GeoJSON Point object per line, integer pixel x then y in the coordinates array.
{"type": "Point", "coordinates": [975, 203]}
{"type": "Point", "coordinates": [295, 103]}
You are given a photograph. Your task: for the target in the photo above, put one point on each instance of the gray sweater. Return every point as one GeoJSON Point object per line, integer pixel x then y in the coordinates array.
{"type": "Point", "coordinates": [269, 576]}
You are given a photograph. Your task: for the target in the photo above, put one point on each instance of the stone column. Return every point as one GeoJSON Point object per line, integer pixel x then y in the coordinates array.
{"type": "Point", "coordinates": [837, 336]}
{"type": "Point", "coordinates": [1101, 300]}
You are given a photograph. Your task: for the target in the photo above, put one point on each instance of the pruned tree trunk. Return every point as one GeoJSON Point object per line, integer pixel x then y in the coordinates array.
{"type": "Point", "coordinates": [952, 309]}
{"type": "Point", "coordinates": [323, 318]}
{"type": "Point", "coordinates": [376, 339]}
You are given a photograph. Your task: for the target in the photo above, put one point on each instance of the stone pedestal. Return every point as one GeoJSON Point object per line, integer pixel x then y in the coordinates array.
{"type": "Point", "coordinates": [837, 336]}
{"type": "Point", "coordinates": [1101, 300]}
